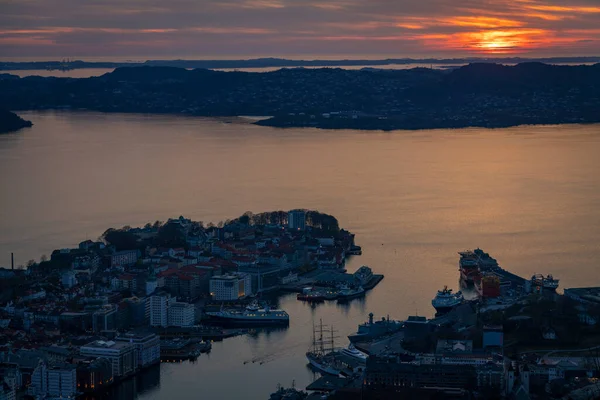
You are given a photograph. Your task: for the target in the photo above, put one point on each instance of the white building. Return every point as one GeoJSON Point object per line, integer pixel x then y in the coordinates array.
{"type": "Point", "coordinates": [147, 345]}
{"type": "Point", "coordinates": [230, 286]}
{"type": "Point", "coordinates": [123, 356]}
{"type": "Point", "coordinates": [181, 314]}
{"type": "Point", "coordinates": [159, 309]}
{"type": "Point", "coordinates": [56, 381]}
{"type": "Point", "coordinates": [297, 219]}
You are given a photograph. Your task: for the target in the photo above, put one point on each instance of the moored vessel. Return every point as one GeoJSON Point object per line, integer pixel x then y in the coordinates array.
{"type": "Point", "coordinates": [321, 356]}
{"type": "Point", "coordinates": [547, 282]}
{"type": "Point", "coordinates": [253, 315]}
{"type": "Point", "coordinates": [468, 266]}
{"type": "Point", "coordinates": [445, 300]}
{"type": "Point", "coordinates": [353, 352]}
{"type": "Point", "coordinates": [372, 330]}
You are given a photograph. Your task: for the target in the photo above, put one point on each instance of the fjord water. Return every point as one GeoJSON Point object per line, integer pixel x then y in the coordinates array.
{"type": "Point", "coordinates": [528, 195]}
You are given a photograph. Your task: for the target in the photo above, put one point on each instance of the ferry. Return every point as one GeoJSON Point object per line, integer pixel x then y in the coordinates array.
{"type": "Point", "coordinates": [445, 300]}
{"type": "Point", "coordinates": [253, 315]}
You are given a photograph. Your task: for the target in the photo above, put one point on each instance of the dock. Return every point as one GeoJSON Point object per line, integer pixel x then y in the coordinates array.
{"type": "Point", "coordinates": [328, 278]}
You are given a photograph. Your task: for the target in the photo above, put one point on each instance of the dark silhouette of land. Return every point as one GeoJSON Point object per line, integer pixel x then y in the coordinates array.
{"type": "Point", "coordinates": [10, 122]}
{"type": "Point", "coordinates": [282, 63]}
{"type": "Point", "coordinates": [484, 95]}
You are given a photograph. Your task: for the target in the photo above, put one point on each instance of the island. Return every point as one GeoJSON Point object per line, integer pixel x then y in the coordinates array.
{"type": "Point", "coordinates": [10, 122]}
{"type": "Point", "coordinates": [475, 95]}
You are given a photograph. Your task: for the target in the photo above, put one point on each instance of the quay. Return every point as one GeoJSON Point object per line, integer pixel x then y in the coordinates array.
{"type": "Point", "coordinates": [328, 278]}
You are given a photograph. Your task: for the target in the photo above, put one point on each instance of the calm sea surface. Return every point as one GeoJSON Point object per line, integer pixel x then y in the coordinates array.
{"type": "Point", "coordinates": [528, 195]}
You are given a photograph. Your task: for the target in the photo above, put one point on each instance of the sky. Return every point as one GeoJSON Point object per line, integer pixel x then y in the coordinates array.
{"type": "Point", "coordinates": [196, 29]}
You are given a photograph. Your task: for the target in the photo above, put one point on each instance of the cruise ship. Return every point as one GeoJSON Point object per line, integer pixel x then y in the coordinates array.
{"type": "Point", "coordinates": [445, 300]}
{"type": "Point", "coordinates": [253, 315]}
{"type": "Point", "coordinates": [372, 330]}
{"type": "Point", "coordinates": [468, 266]}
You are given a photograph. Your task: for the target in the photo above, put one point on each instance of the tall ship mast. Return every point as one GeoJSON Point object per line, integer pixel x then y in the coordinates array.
{"type": "Point", "coordinates": [321, 355]}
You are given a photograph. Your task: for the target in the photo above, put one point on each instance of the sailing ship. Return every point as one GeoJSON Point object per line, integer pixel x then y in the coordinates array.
{"type": "Point", "coordinates": [321, 356]}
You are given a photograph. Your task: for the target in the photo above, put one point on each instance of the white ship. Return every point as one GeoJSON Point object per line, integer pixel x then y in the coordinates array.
{"type": "Point", "coordinates": [353, 352]}
{"type": "Point", "coordinates": [322, 355]}
{"type": "Point", "coordinates": [252, 315]}
{"type": "Point", "coordinates": [445, 300]}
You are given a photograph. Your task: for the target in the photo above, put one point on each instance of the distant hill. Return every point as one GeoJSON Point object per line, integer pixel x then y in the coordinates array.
{"type": "Point", "coordinates": [480, 94]}
{"type": "Point", "coordinates": [10, 122]}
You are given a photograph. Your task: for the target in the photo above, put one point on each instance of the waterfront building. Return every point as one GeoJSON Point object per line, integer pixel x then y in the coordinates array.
{"type": "Point", "coordinates": [297, 220]}
{"type": "Point", "coordinates": [93, 375]}
{"type": "Point", "coordinates": [122, 355]}
{"type": "Point", "coordinates": [392, 375]}
{"type": "Point", "coordinates": [54, 381]}
{"type": "Point", "coordinates": [159, 308]}
{"type": "Point", "coordinates": [263, 277]}
{"type": "Point", "coordinates": [147, 345]}
{"type": "Point", "coordinates": [230, 286]}
{"type": "Point", "coordinates": [181, 314]}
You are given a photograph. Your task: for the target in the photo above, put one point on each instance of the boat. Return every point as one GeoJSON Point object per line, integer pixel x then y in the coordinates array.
{"type": "Point", "coordinates": [372, 330]}
{"type": "Point", "coordinates": [353, 352]}
{"type": "Point", "coordinates": [253, 315]}
{"type": "Point", "coordinates": [468, 266]}
{"type": "Point", "coordinates": [544, 282]}
{"type": "Point", "coordinates": [311, 296]}
{"type": "Point", "coordinates": [348, 293]}
{"type": "Point", "coordinates": [445, 300]}
{"type": "Point", "coordinates": [355, 251]}
{"type": "Point", "coordinates": [322, 354]}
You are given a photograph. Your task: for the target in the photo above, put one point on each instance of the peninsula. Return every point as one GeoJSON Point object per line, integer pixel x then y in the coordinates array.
{"type": "Point", "coordinates": [10, 122]}
{"type": "Point", "coordinates": [481, 95]}
{"type": "Point", "coordinates": [105, 310]}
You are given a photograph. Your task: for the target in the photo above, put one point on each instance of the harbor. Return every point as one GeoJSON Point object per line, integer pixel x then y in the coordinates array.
{"type": "Point", "coordinates": [466, 336]}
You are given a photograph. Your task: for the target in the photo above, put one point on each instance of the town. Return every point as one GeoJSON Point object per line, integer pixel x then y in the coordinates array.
{"type": "Point", "coordinates": [500, 337]}
{"type": "Point", "coordinates": [86, 318]}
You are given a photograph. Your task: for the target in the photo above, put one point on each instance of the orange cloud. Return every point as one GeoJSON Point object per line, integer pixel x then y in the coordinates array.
{"type": "Point", "coordinates": [482, 22]}
{"type": "Point", "coordinates": [575, 9]}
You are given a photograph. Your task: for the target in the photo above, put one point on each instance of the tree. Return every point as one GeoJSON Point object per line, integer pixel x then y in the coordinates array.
{"type": "Point", "coordinates": [44, 258]}
{"type": "Point", "coordinates": [171, 235]}
{"type": "Point", "coordinates": [122, 240]}
{"type": "Point", "coordinates": [30, 263]}
{"type": "Point", "coordinates": [157, 224]}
